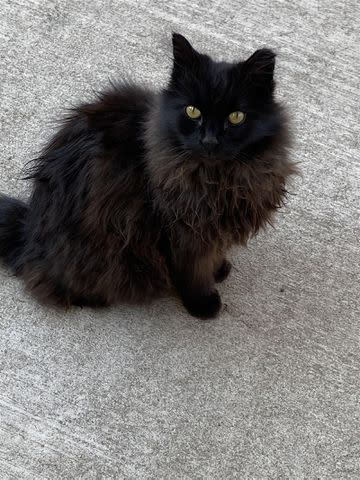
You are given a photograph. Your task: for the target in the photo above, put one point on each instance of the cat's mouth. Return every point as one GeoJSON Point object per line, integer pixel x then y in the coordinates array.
{"type": "Point", "coordinates": [204, 157]}
{"type": "Point", "coordinates": [211, 158]}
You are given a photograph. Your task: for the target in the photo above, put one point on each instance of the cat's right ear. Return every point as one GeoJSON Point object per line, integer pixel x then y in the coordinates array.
{"type": "Point", "coordinates": [184, 54]}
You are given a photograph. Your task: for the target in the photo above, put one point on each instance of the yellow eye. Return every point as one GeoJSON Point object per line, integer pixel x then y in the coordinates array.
{"type": "Point", "coordinates": [192, 112]}
{"type": "Point", "coordinates": [236, 118]}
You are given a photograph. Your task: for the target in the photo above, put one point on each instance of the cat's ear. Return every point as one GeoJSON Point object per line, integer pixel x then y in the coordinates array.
{"type": "Point", "coordinates": [262, 62]}
{"type": "Point", "coordinates": [259, 69]}
{"type": "Point", "coordinates": [184, 54]}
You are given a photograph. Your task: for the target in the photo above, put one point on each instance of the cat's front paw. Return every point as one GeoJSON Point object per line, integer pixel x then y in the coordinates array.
{"type": "Point", "coordinates": [203, 305]}
{"type": "Point", "coordinates": [223, 271]}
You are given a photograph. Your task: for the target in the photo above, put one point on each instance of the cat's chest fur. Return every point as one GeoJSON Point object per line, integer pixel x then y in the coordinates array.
{"type": "Point", "coordinates": [218, 205]}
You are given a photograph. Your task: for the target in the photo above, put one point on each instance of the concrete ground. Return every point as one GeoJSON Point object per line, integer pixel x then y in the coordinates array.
{"type": "Point", "coordinates": [270, 389]}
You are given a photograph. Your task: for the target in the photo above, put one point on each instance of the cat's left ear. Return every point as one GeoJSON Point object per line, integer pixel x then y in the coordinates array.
{"type": "Point", "coordinates": [262, 62]}
{"type": "Point", "coordinates": [184, 54]}
{"type": "Point", "coordinates": [260, 68]}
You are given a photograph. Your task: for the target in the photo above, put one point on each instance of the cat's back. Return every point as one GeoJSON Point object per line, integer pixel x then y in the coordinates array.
{"type": "Point", "coordinates": [90, 202]}
{"type": "Point", "coordinates": [118, 115]}
{"type": "Point", "coordinates": [94, 163]}
{"type": "Point", "coordinates": [108, 127]}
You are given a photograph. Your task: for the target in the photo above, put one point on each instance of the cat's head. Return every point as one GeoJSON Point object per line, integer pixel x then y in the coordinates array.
{"type": "Point", "coordinates": [216, 110]}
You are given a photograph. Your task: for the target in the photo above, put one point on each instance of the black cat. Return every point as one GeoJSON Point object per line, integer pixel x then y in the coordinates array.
{"type": "Point", "coordinates": [143, 191]}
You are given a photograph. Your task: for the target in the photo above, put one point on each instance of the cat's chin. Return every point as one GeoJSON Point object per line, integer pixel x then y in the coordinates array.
{"type": "Point", "coordinates": [210, 159]}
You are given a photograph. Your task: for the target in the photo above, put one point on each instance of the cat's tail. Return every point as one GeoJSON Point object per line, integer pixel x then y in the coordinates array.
{"type": "Point", "coordinates": [12, 216]}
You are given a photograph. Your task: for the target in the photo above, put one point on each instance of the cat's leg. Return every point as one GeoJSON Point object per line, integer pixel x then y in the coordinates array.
{"type": "Point", "coordinates": [52, 290]}
{"type": "Point", "coordinates": [193, 276]}
{"type": "Point", "coordinates": [88, 301]}
{"type": "Point", "coordinates": [222, 270]}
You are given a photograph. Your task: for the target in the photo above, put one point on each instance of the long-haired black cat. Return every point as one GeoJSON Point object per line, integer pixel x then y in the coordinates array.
{"type": "Point", "coordinates": [142, 191]}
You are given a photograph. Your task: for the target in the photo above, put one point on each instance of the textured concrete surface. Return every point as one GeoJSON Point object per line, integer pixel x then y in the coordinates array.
{"type": "Point", "coordinates": [271, 388]}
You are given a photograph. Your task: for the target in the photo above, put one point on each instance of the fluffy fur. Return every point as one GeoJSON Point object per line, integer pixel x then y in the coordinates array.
{"type": "Point", "coordinates": [132, 198]}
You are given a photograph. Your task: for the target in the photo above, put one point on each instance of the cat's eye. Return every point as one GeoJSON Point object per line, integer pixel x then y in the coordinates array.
{"type": "Point", "coordinates": [237, 118]}
{"type": "Point", "coordinates": [192, 112]}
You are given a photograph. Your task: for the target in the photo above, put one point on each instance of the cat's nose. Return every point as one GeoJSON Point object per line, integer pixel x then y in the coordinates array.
{"type": "Point", "coordinates": [210, 143]}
